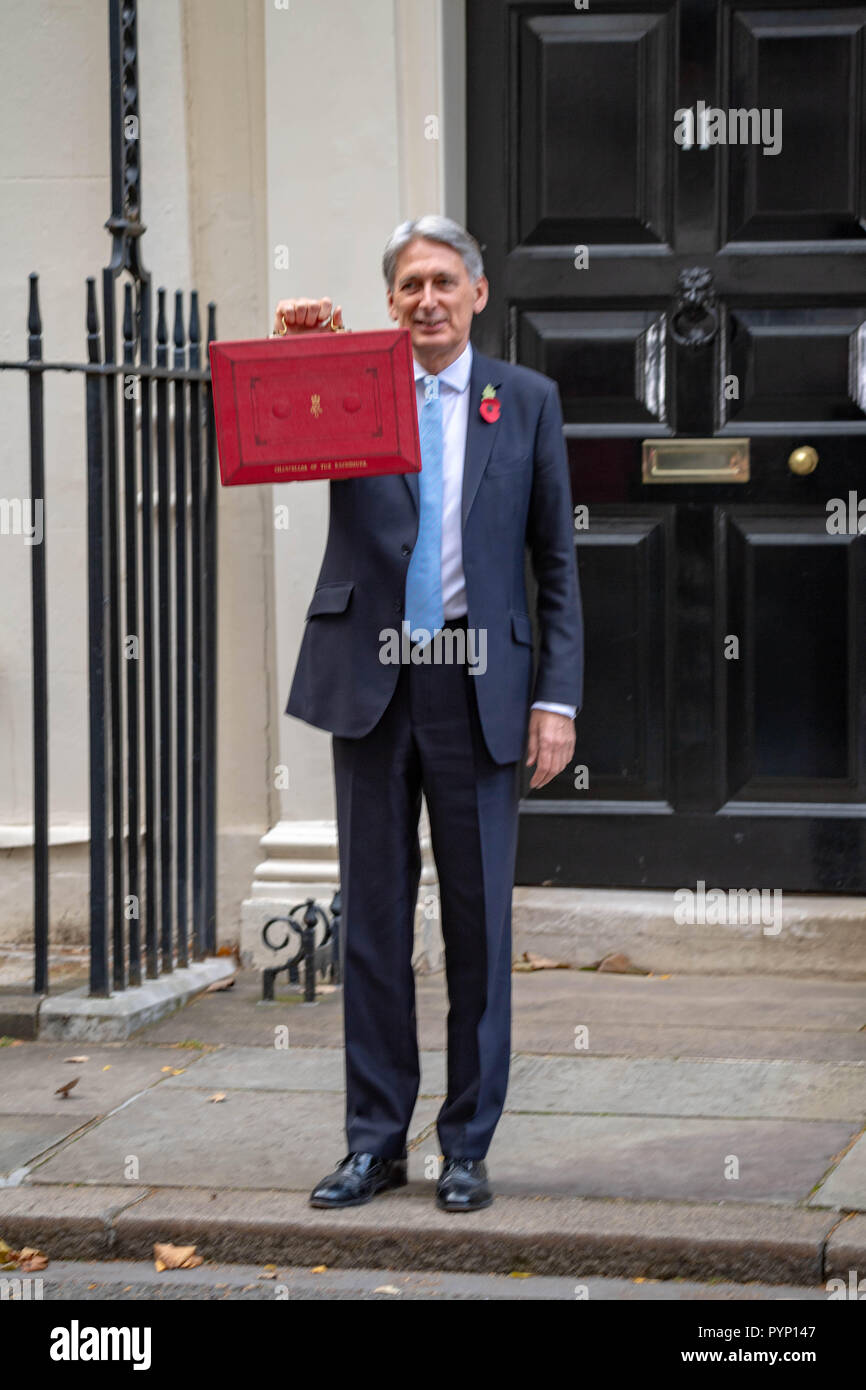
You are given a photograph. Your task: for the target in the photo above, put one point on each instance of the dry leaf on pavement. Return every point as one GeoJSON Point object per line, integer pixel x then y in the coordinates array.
{"type": "Point", "coordinates": [530, 961]}
{"type": "Point", "coordinates": [170, 1256]}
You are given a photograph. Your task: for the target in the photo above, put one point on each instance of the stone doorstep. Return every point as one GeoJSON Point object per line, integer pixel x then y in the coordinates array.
{"type": "Point", "coordinates": [816, 935]}
{"type": "Point", "coordinates": [573, 1238]}
{"type": "Point", "coordinates": [76, 1015]}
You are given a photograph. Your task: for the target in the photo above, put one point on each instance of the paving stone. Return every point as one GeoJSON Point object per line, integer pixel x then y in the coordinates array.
{"type": "Point", "coordinates": [534, 1035]}
{"type": "Point", "coordinates": [30, 1075]}
{"type": "Point", "coordinates": [666, 1159]}
{"type": "Point", "coordinates": [845, 1188]}
{"type": "Point", "coordinates": [705, 1001]}
{"type": "Point", "coordinates": [584, 1084]}
{"type": "Point", "coordinates": [290, 1069]}
{"type": "Point", "coordinates": [251, 1139]}
{"type": "Point", "coordinates": [24, 1137]}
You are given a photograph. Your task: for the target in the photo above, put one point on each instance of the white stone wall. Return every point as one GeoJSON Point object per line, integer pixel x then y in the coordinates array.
{"type": "Point", "coordinates": [202, 123]}
{"type": "Point", "coordinates": [302, 124]}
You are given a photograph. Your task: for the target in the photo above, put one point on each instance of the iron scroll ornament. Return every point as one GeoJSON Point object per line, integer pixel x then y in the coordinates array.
{"type": "Point", "coordinates": [695, 319]}
{"type": "Point", "coordinates": [313, 955]}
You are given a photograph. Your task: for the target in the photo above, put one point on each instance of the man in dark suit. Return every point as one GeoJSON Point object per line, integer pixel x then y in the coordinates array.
{"type": "Point", "coordinates": [436, 560]}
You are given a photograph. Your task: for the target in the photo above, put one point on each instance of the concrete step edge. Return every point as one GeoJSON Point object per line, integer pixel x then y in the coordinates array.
{"type": "Point", "coordinates": [571, 1237]}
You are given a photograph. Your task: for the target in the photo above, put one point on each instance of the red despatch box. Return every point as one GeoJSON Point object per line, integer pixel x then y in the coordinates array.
{"type": "Point", "coordinates": [315, 405]}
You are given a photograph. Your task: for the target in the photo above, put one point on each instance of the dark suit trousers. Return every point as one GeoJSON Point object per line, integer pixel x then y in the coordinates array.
{"type": "Point", "coordinates": [429, 738]}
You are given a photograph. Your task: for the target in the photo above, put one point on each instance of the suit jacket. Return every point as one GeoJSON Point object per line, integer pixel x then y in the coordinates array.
{"type": "Point", "coordinates": [516, 494]}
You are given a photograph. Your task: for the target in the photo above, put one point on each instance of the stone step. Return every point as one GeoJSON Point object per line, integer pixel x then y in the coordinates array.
{"type": "Point", "coordinates": [800, 934]}
{"type": "Point", "coordinates": [565, 1237]}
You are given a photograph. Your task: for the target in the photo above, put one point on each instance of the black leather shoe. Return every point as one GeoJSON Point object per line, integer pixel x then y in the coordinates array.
{"type": "Point", "coordinates": [463, 1186]}
{"type": "Point", "coordinates": [356, 1179]}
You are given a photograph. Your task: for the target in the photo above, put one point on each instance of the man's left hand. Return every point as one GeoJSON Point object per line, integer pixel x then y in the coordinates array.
{"type": "Point", "coordinates": [550, 744]}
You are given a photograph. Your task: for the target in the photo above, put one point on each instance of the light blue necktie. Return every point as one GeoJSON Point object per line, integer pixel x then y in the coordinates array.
{"type": "Point", "coordinates": [424, 577]}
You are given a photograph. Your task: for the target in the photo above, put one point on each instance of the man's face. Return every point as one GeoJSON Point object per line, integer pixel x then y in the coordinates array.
{"type": "Point", "coordinates": [435, 299]}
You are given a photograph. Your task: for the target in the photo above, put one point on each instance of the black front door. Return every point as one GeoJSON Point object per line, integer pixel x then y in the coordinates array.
{"type": "Point", "coordinates": [671, 199]}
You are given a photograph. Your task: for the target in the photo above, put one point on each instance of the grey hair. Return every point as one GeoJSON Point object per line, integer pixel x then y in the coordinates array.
{"type": "Point", "coordinates": [434, 228]}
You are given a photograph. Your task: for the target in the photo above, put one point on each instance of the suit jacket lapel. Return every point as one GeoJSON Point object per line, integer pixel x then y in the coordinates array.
{"type": "Point", "coordinates": [479, 435]}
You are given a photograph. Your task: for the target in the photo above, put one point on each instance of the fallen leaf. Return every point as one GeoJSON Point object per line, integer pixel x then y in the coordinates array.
{"type": "Point", "coordinates": [221, 984]}
{"type": "Point", "coordinates": [177, 1071]}
{"type": "Point", "coordinates": [318, 1269]}
{"type": "Point", "coordinates": [31, 1261]}
{"type": "Point", "coordinates": [76, 1059]}
{"type": "Point", "coordinates": [616, 963]}
{"type": "Point", "coordinates": [519, 1274]}
{"type": "Point", "coordinates": [387, 1288]}
{"type": "Point", "coordinates": [530, 961]}
{"type": "Point", "coordinates": [166, 1068]}
{"type": "Point", "coordinates": [64, 1090]}
{"type": "Point", "coordinates": [170, 1256]}
{"type": "Point", "coordinates": [269, 1274]}
{"type": "Point", "coordinates": [220, 1095]}
{"type": "Point", "coordinates": [107, 1068]}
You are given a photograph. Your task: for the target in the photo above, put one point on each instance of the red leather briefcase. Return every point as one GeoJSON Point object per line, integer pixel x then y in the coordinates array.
{"type": "Point", "coordinates": [315, 405]}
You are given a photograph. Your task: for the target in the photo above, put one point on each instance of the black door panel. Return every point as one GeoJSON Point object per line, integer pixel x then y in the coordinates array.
{"type": "Point", "coordinates": [687, 292]}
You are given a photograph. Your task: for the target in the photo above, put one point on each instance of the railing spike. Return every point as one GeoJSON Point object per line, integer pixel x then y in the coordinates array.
{"type": "Point", "coordinates": [194, 323]}
{"type": "Point", "coordinates": [93, 352]}
{"type": "Point", "coordinates": [34, 317]}
{"type": "Point", "coordinates": [211, 321]}
{"type": "Point", "coordinates": [128, 329]}
{"type": "Point", "coordinates": [179, 338]}
{"type": "Point", "coordinates": [161, 325]}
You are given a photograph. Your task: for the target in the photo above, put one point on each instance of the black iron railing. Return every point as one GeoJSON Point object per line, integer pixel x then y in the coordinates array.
{"type": "Point", "coordinates": [151, 565]}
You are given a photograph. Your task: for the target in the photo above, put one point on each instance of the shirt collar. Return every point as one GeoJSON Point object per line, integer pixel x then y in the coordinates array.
{"type": "Point", "coordinates": [456, 374]}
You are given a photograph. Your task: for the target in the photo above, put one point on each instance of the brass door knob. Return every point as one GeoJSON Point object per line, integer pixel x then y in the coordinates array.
{"type": "Point", "coordinates": [803, 460]}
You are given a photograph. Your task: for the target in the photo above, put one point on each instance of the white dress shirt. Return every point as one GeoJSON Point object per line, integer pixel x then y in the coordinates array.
{"type": "Point", "coordinates": [454, 394]}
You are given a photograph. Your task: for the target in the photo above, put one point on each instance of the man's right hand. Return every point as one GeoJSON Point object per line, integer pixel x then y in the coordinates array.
{"type": "Point", "coordinates": [302, 315]}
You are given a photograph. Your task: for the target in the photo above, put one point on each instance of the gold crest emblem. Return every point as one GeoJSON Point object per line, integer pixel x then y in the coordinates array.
{"type": "Point", "coordinates": [316, 406]}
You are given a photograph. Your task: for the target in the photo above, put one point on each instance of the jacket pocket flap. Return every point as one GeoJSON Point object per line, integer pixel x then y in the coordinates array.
{"type": "Point", "coordinates": [521, 626]}
{"type": "Point", "coordinates": [331, 598]}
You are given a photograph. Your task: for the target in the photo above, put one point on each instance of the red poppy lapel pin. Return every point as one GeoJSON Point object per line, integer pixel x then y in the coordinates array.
{"type": "Point", "coordinates": [490, 405]}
